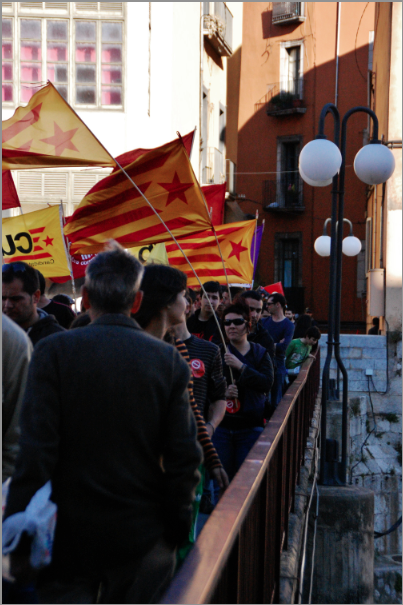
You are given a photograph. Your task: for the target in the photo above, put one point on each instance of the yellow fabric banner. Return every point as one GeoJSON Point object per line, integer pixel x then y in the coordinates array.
{"type": "Point", "coordinates": [37, 239]}
{"type": "Point", "coordinates": [48, 133]}
{"type": "Point", "coordinates": [154, 253]}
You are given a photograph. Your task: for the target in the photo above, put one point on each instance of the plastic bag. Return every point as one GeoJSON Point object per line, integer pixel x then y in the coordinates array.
{"type": "Point", "coordinates": [39, 521]}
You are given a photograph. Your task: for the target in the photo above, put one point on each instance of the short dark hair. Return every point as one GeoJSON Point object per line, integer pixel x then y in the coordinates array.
{"type": "Point", "coordinates": [191, 294]}
{"type": "Point", "coordinates": [251, 294]}
{"type": "Point", "coordinates": [313, 332]}
{"type": "Point", "coordinates": [25, 273]}
{"type": "Point", "coordinates": [42, 282]}
{"type": "Point", "coordinates": [278, 298]}
{"type": "Point", "coordinates": [65, 299]}
{"type": "Point", "coordinates": [112, 279]}
{"type": "Point", "coordinates": [212, 287]}
{"type": "Point", "coordinates": [160, 285]}
{"type": "Point", "coordinates": [375, 321]}
{"type": "Point", "coordinates": [240, 308]}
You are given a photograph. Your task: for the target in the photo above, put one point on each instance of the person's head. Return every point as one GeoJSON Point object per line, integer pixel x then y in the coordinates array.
{"type": "Point", "coordinates": [309, 312]}
{"type": "Point", "coordinates": [42, 282]}
{"type": "Point", "coordinates": [375, 322]}
{"type": "Point", "coordinates": [302, 325]}
{"type": "Point", "coordinates": [212, 293]}
{"type": "Point", "coordinates": [265, 310]}
{"type": "Point", "coordinates": [312, 336]}
{"type": "Point", "coordinates": [21, 293]}
{"type": "Point", "coordinates": [255, 303]}
{"type": "Point", "coordinates": [276, 303]}
{"type": "Point", "coordinates": [197, 301]}
{"type": "Point", "coordinates": [112, 281]}
{"type": "Point", "coordinates": [164, 294]}
{"type": "Point", "coordinates": [289, 314]}
{"type": "Point", "coordinates": [236, 322]}
{"type": "Point", "coordinates": [64, 299]}
{"type": "Point", "coordinates": [225, 295]}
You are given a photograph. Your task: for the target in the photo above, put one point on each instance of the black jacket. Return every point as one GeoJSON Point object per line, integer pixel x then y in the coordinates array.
{"type": "Point", "coordinates": [44, 327]}
{"type": "Point", "coordinates": [261, 337]}
{"type": "Point", "coordinates": [106, 417]}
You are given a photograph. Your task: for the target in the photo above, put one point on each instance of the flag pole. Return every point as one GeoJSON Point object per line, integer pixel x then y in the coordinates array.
{"type": "Point", "coordinates": [254, 251]}
{"type": "Point", "coordinates": [68, 255]}
{"type": "Point", "coordinates": [180, 248]}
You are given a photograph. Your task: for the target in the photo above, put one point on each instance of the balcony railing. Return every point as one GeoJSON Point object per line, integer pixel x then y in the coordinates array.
{"type": "Point", "coordinates": [285, 97]}
{"type": "Point", "coordinates": [286, 193]}
{"type": "Point", "coordinates": [217, 23]}
{"type": "Point", "coordinates": [286, 12]}
{"type": "Point", "coordinates": [236, 558]}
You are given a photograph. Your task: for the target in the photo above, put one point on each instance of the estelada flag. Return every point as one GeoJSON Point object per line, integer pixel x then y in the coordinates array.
{"type": "Point", "coordinates": [114, 209]}
{"type": "Point", "coordinates": [9, 195]}
{"type": "Point", "coordinates": [48, 133]}
{"type": "Point", "coordinates": [37, 239]}
{"type": "Point", "coordinates": [215, 200]}
{"type": "Point", "coordinates": [202, 251]}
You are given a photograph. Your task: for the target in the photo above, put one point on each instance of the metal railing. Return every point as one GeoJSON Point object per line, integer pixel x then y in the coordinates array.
{"type": "Point", "coordinates": [236, 558]}
{"type": "Point", "coordinates": [285, 11]}
{"type": "Point", "coordinates": [287, 94]}
{"type": "Point", "coordinates": [285, 192]}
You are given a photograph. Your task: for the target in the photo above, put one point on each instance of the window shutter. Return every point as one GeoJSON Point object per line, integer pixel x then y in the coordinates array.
{"type": "Point", "coordinates": [82, 183]}
{"type": "Point", "coordinates": [29, 184]}
{"type": "Point", "coordinates": [111, 7]}
{"type": "Point", "coordinates": [31, 5]}
{"type": "Point", "coordinates": [55, 185]}
{"type": "Point", "coordinates": [59, 6]}
{"type": "Point", "coordinates": [86, 7]}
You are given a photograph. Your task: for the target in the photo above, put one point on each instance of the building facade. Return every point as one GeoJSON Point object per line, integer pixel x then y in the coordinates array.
{"type": "Point", "coordinates": [135, 72]}
{"type": "Point", "coordinates": [297, 56]}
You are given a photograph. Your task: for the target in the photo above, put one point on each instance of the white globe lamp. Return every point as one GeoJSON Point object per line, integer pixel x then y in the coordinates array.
{"type": "Point", "coordinates": [320, 160]}
{"type": "Point", "coordinates": [351, 246]}
{"type": "Point", "coordinates": [322, 245]}
{"type": "Point", "coordinates": [374, 164]}
{"type": "Point", "coordinates": [314, 183]}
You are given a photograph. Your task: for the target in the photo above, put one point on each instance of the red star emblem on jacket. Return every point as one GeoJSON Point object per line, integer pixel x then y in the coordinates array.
{"type": "Point", "coordinates": [176, 189]}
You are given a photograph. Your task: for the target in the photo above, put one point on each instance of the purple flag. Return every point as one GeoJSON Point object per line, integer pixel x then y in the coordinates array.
{"type": "Point", "coordinates": [254, 253]}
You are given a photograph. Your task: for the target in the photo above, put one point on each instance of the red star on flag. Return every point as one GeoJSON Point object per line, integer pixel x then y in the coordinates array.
{"type": "Point", "coordinates": [61, 140]}
{"type": "Point", "coordinates": [176, 189]}
{"type": "Point", "coordinates": [48, 241]}
{"type": "Point", "coordinates": [237, 249]}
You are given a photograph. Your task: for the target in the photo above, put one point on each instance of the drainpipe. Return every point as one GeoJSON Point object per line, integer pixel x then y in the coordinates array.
{"type": "Point", "coordinates": [338, 24]}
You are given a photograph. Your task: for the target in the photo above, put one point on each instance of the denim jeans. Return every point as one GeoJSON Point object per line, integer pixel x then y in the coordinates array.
{"type": "Point", "coordinates": [233, 445]}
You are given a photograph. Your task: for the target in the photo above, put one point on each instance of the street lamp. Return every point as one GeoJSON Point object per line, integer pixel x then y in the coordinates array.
{"type": "Point", "coordinates": [351, 245]}
{"type": "Point", "coordinates": [321, 160]}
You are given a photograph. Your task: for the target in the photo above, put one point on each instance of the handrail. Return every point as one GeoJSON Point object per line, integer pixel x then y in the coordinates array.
{"type": "Point", "coordinates": [236, 558]}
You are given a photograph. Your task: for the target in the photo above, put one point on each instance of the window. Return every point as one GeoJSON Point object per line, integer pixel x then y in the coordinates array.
{"type": "Point", "coordinates": [288, 255]}
{"type": "Point", "coordinates": [289, 183]}
{"type": "Point", "coordinates": [83, 57]}
{"type": "Point", "coordinates": [291, 68]}
{"type": "Point", "coordinates": [7, 65]}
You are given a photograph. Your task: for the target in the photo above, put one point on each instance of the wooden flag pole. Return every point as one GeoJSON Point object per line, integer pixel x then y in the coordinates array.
{"type": "Point", "coordinates": [181, 250]}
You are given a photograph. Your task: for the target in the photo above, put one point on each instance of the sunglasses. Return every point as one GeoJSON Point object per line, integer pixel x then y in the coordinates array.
{"type": "Point", "coordinates": [15, 267]}
{"type": "Point", "coordinates": [236, 322]}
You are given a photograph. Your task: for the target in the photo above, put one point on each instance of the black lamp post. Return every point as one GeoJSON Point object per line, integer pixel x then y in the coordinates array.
{"type": "Point", "coordinates": [374, 164]}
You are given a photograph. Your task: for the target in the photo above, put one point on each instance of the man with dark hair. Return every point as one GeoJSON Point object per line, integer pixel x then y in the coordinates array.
{"type": "Point", "coordinates": [106, 418]}
{"type": "Point", "coordinates": [374, 331]}
{"type": "Point", "coordinates": [63, 313]}
{"type": "Point", "coordinates": [300, 348]}
{"type": "Point", "coordinates": [20, 297]}
{"type": "Point", "coordinates": [281, 330]}
{"type": "Point", "coordinates": [289, 313]}
{"type": "Point", "coordinates": [257, 332]}
{"type": "Point", "coordinates": [202, 323]}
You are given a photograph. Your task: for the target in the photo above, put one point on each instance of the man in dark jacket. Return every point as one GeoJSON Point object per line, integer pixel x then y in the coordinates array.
{"type": "Point", "coordinates": [106, 418]}
{"type": "Point", "coordinates": [62, 312]}
{"type": "Point", "coordinates": [21, 294]}
{"type": "Point", "coordinates": [202, 323]}
{"type": "Point", "coordinates": [258, 334]}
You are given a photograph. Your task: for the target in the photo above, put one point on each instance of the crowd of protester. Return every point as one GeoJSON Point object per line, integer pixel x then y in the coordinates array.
{"type": "Point", "coordinates": [139, 411]}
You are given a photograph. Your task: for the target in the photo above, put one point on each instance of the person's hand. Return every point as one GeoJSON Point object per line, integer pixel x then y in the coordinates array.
{"type": "Point", "coordinates": [231, 392]}
{"type": "Point", "coordinates": [232, 361]}
{"type": "Point", "coordinates": [210, 429]}
{"type": "Point", "coordinates": [221, 477]}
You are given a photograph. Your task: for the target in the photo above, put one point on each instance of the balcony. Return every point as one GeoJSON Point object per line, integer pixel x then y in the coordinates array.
{"type": "Point", "coordinates": [217, 27]}
{"type": "Point", "coordinates": [285, 98]}
{"type": "Point", "coordinates": [287, 12]}
{"type": "Point", "coordinates": [283, 195]}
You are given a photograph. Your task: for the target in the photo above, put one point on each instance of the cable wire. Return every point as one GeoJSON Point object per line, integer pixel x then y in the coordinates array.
{"type": "Point", "coordinates": [367, 437]}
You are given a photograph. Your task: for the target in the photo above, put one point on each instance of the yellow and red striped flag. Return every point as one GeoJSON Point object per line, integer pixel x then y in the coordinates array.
{"type": "Point", "coordinates": [37, 239]}
{"type": "Point", "coordinates": [202, 251]}
{"type": "Point", "coordinates": [114, 209]}
{"type": "Point", "coordinates": [47, 133]}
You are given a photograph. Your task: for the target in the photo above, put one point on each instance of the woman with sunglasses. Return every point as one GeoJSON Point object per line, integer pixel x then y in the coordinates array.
{"type": "Point", "coordinates": [252, 370]}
